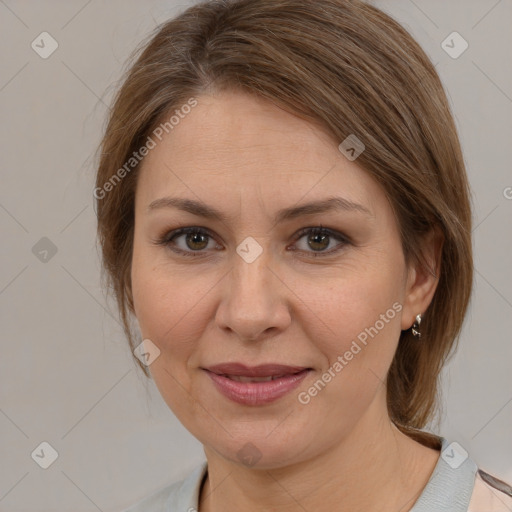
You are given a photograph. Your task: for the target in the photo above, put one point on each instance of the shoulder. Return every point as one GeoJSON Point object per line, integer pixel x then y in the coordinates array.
{"type": "Point", "coordinates": [490, 494]}
{"type": "Point", "coordinates": [457, 484]}
{"type": "Point", "coordinates": [181, 495]}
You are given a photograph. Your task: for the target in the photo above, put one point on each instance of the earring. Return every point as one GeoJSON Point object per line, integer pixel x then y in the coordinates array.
{"type": "Point", "coordinates": [415, 327]}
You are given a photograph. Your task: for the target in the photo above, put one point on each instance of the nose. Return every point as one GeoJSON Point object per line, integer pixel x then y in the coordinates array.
{"type": "Point", "coordinates": [255, 302]}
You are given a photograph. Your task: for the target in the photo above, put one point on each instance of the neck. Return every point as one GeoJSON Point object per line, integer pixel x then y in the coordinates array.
{"type": "Point", "coordinates": [375, 468]}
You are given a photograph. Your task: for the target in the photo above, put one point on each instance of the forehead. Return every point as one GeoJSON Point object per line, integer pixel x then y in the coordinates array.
{"type": "Point", "coordinates": [233, 144]}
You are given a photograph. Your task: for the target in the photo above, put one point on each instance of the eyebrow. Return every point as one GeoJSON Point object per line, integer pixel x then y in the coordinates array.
{"type": "Point", "coordinates": [202, 210]}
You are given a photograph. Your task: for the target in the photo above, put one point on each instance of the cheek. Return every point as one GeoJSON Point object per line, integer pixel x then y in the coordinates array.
{"type": "Point", "coordinates": [356, 327]}
{"type": "Point", "coordinates": [158, 301]}
{"type": "Point", "coordinates": [165, 308]}
{"type": "Point", "coordinates": [364, 303]}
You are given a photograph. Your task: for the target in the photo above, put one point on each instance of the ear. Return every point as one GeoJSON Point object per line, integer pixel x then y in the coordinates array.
{"type": "Point", "coordinates": [422, 277]}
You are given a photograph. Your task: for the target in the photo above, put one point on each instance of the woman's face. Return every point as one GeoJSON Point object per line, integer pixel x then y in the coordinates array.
{"type": "Point", "coordinates": [251, 288]}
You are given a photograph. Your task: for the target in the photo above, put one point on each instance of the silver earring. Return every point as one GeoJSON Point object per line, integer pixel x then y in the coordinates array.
{"type": "Point", "coordinates": [416, 326]}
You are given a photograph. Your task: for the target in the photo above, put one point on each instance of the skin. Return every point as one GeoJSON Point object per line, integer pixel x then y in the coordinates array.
{"type": "Point", "coordinates": [248, 158]}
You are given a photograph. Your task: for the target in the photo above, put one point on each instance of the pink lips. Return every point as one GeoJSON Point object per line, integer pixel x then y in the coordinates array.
{"type": "Point", "coordinates": [284, 379]}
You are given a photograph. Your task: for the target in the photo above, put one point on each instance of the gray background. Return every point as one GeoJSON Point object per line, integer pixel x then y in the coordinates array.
{"type": "Point", "coordinates": [66, 374]}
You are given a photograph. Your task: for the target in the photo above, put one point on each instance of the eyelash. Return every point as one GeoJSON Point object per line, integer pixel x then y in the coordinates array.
{"type": "Point", "coordinates": [168, 238]}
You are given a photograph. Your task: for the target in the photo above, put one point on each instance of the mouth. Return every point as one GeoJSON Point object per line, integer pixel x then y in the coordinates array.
{"type": "Point", "coordinates": [242, 378]}
{"type": "Point", "coordinates": [256, 385]}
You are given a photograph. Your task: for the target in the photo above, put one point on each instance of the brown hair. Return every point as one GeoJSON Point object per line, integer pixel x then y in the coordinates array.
{"type": "Point", "coordinates": [353, 69]}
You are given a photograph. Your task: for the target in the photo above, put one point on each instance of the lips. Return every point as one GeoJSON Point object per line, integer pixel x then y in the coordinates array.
{"type": "Point", "coordinates": [256, 385]}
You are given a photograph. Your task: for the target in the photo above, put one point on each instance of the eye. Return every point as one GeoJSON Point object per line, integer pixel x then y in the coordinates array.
{"type": "Point", "coordinates": [193, 241]}
{"type": "Point", "coordinates": [319, 239]}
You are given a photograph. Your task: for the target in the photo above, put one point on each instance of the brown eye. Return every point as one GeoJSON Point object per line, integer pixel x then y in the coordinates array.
{"type": "Point", "coordinates": [196, 241]}
{"type": "Point", "coordinates": [188, 241]}
{"type": "Point", "coordinates": [318, 240]}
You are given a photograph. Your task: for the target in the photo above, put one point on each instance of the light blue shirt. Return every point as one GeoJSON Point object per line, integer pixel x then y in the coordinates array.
{"type": "Point", "coordinates": [449, 488]}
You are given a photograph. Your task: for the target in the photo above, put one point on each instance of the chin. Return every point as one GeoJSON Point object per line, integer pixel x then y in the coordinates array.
{"type": "Point", "coordinates": [264, 448]}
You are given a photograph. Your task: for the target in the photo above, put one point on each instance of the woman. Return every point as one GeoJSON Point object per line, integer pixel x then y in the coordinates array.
{"type": "Point", "coordinates": [283, 207]}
